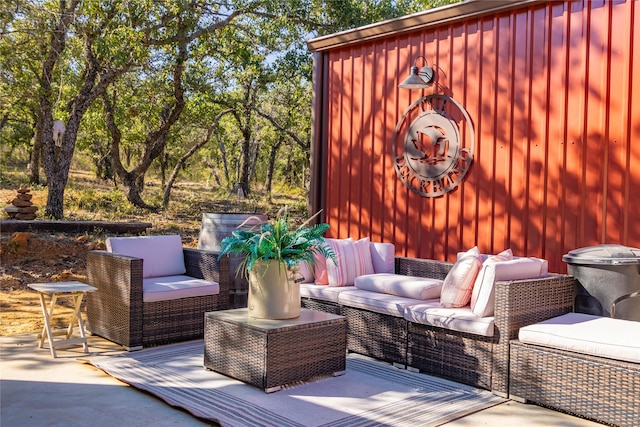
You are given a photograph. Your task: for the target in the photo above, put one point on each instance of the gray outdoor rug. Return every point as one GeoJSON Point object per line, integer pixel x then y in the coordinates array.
{"type": "Point", "coordinates": [370, 393]}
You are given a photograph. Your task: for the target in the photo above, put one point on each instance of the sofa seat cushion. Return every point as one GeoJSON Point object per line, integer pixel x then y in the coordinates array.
{"type": "Point", "coordinates": [161, 255]}
{"type": "Point", "coordinates": [459, 319]}
{"type": "Point", "coordinates": [174, 287]}
{"type": "Point", "coordinates": [392, 305]}
{"type": "Point", "coordinates": [322, 292]}
{"type": "Point", "coordinates": [587, 334]}
{"type": "Point", "coordinates": [400, 285]}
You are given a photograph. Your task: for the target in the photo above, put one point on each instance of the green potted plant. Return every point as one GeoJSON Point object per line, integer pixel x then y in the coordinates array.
{"type": "Point", "coordinates": [272, 255]}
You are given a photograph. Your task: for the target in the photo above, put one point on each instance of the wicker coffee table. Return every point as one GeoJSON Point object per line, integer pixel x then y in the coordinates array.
{"type": "Point", "coordinates": [269, 354]}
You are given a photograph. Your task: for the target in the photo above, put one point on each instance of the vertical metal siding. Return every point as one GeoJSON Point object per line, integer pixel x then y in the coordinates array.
{"type": "Point", "coordinates": [556, 113]}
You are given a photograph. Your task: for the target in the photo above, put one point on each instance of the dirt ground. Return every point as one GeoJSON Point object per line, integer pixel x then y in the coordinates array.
{"type": "Point", "coordinates": [38, 257]}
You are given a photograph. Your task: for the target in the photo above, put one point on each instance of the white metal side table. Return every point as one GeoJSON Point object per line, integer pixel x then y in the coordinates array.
{"type": "Point", "coordinates": [55, 290]}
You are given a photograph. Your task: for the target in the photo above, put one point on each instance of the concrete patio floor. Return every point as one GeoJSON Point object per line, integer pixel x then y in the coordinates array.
{"type": "Point", "coordinates": [37, 390]}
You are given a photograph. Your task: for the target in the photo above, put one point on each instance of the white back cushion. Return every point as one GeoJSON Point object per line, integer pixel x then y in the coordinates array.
{"type": "Point", "coordinates": [383, 257]}
{"type": "Point", "coordinates": [162, 255]}
{"type": "Point", "coordinates": [482, 298]}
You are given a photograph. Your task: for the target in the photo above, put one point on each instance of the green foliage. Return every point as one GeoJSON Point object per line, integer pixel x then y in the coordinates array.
{"type": "Point", "coordinates": [339, 15]}
{"type": "Point", "coordinates": [256, 63]}
{"type": "Point", "coordinates": [277, 240]}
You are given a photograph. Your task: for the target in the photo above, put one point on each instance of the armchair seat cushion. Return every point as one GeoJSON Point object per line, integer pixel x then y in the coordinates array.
{"type": "Point", "coordinates": [175, 287]}
{"type": "Point", "coordinates": [459, 319]}
{"type": "Point", "coordinates": [587, 334]}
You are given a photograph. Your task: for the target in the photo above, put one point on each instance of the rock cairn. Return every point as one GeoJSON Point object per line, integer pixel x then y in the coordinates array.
{"type": "Point", "coordinates": [21, 207]}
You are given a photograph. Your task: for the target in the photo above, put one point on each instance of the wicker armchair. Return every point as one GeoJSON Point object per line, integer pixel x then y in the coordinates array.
{"type": "Point", "coordinates": [116, 311]}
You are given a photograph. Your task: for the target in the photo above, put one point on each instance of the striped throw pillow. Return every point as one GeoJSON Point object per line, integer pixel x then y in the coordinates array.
{"type": "Point", "coordinates": [458, 285]}
{"type": "Point", "coordinates": [353, 259]}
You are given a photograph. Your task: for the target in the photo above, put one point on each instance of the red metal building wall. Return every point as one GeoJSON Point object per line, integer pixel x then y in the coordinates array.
{"type": "Point", "coordinates": [555, 106]}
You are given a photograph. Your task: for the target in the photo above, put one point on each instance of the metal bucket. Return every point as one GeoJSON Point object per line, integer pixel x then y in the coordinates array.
{"type": "Point", "coordinates": [217, 226]}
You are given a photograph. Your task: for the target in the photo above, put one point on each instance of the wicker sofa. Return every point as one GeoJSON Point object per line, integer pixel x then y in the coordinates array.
{"type": "Point", "coordinates": [121, 311]}
{"type": "Point", "coordinates": [473, 359]}
{"type": "Point", "coordinates": [581, 364]}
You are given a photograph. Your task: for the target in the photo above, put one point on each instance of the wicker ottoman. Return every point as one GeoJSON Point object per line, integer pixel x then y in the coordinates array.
{"type": "Point", "coordinates": [271, 353]}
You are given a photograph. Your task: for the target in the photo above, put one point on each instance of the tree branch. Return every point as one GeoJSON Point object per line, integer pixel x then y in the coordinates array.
{"type": "Point", "coordinates": [188, 154]}
{"type": "Point", "coordinates": [275, 124]}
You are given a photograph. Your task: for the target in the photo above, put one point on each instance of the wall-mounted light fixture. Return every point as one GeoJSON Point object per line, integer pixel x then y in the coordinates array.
{"type": "Point", "coordinates": [418, 79]}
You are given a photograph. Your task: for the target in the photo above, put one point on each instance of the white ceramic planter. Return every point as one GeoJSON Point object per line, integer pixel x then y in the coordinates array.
{"type": "Point", "coordinates": [273, 294]}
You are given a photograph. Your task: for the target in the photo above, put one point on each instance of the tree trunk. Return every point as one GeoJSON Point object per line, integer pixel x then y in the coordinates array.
{"type": "Point", "coordinates": [164, 165]}
{"type": "Point", "coordinates": [212, 166]}
{"type": "Point", "coordinates": [57, 162]}
{"type": "Point", "coordinates": [255, 151]}
{"type": "Point", "coordinates": [102, 161]}
{"type": "Point", "coordinates": [272, 164]}
{"type": "Point", "coordinates": [134, 186]}
{"type": "Point", "coordinates": [36, 155]}
{"type": "Point", "coordinates": [225, 164]}
{"type": "Point", "coordinates": [243, 180]}
{"type": "Point", "coordinates": [55, 197]}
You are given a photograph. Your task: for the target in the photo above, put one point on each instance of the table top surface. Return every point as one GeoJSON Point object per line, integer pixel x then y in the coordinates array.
{"type": "Point", "coordinates": [61, 287]}
{"type": "Point", "coordinates": [241, 316]}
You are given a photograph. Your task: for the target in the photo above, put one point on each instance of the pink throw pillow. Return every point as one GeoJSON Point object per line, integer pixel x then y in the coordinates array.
{"type": "Point", "coordinates": [458, 285]}
{"type": "Point", "coordinates": [321, 276]}
{"type": "Point", "coordinates": [320, 269]}
{"type": "Point", "coordinates": [505, 255]}
{"type": "Point", "coordinates": [353, 259]}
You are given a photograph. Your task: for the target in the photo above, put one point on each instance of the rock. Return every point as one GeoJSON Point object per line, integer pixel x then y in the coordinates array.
{"type": "Point", "coordinates": [22, 208]}
{"type": "Point", "coordinates": [21, 240]}
{"type": "Point", "coordinates": [25, 216]}
{"type": "Point", "coordinates": [28, 209]}
{"type": "Point", "coordinates": [21, 203]}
